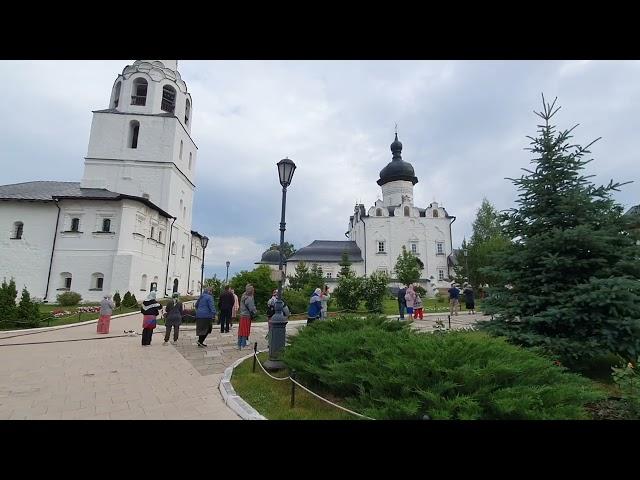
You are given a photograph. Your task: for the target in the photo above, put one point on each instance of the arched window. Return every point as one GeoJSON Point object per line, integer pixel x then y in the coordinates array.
{"type": "Point", "coordinates": [139, 92]}
{"type": "Point", "coordinates": [160, 236]}
{"type": "Point", "coordinates": [168, 99]}
{"type": "Point", "coordinates": [406, 211]}
{"type": "Point", "coordinates": [154, 284]}
{"type": "Point", "coordinates": [175, 285]}
{"type": "Point", "coordinates": [116, 94]}
{"type": "Point", "coordinates": [97, 281]}
{"type": "Point", "coordinates": [182, 251]}
{"type": "Point", "coordinates": [134, 131]}
{"type": "Point", "coordinates": [173, 248]}
{"type": "Point", "coordinates": [65, 281]}
{"type": "Point", "coordinates": [181, 145]}
{"type": "Point", "coordinates": [75, 224]}
{"type": "Point", "coordinates": [17, 230]}
{"type": "Point", "coordinates": [184, 213]}
{"type": "Point", "coordinates": [106, 225]}
{"type": "Point", "coordinates": [187, 112]}
{"type": "Point", "coordinates": [435, 214]}
{"type": "Point", "coordinates": [378, 212]}
{"type": "Point", "coordinates": [190, 158]}
{"type": "Point", "coordinates": [143, 284]}
{"type": "Point", "coordinates": [181, 208]}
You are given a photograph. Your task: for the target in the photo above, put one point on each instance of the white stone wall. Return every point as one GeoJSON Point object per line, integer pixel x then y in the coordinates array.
{"type": "Point", "coordinates": [27, 260]}
{"type": "Point", "coordinates": [327, 267]}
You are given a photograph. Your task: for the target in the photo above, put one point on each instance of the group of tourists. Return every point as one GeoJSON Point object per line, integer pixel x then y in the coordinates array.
{"type": "Point", "coordinates": [318, 305]}
{"type": "Point", "coordinates": [409, 299]}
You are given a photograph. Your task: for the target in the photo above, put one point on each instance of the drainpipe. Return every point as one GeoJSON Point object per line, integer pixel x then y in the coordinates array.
{"type": "Point", "coordinates": [190, 257]}
{"type": "Point", "coordinates": [166, 276]}
{"type": "Point", "coordinates": [53, 247]}
{"type": "Point", "coordinates": [450, 243]}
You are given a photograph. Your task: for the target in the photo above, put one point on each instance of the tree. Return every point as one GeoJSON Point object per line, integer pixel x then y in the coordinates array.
{"type": "Point", "coordinates": [301, 277]}
{"type": "Point", "coordinates": [287, 249]}
{"type": "Point", "coordinates": [316, 279]}
{"type": "Point", "coordinates": [373, 291]}
{"type": "Point", "coordinates": [8, 295]}
{"type": "Point", "coordinates": [28, 311]}
{"type": "Point", "coordinates": [117, 300]}
{"type": "Point", "coordinates": [487, 223]}
{"type": "Point", "coordinates": [568, 279]}
{"type": "Point", "coordinates": [407, 268]}
{"type": "Point", "coordinates": [260, 278]}
{"type": "Point", "coordinates": [345, 264]}
{"type": "Point", "coordinates": [214, 283]}
{"type": "Point", "coordinates": [348, 293]}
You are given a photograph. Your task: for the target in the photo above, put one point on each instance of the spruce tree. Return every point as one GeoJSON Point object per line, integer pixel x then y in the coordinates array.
{"type": "Point", "coordinates": [407, 267]}
{"type": "Point", "coordinates": [301, 277]}
{"type": "Point", "coordinates": [28, 311]}
{"type": "Point", "coordinates": [568, 280]}
{"type": "Point", "coordinates": [345, 266]}
{"type": "Point", "coordinates": [8, 309]}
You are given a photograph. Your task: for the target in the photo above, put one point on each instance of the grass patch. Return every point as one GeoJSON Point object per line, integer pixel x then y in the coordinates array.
{"type": "Point", "coordinates": [272, 397]}
{"type": "Point", "coordinates": [47, 309]}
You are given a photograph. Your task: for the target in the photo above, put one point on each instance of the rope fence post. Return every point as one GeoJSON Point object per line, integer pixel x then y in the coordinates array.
{"type": "Point", "coordinates": [449, 321]}
{"type": "Point", "coordinates": [255, 355]}
{"type": "Point", "coordinates": [293, 389]}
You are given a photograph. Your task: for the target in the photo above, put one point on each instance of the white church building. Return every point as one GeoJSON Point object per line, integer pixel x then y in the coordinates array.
{"type": "Point", "coordinates": [127, 225]}
{"type": "Point", "coordinates": [377, 234]}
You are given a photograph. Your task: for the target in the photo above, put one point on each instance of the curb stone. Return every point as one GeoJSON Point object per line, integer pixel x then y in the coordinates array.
{"type": "Point", "coordinates": [232, 399]}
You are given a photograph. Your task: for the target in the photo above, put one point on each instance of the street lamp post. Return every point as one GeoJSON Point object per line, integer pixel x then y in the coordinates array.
{"type": "Point", "coordinates": [277, 338]}
{"type": "Point", "coordinates": [226, 280]}
{"type": "Point", "coordinates": [466, 261]}
{"type": "Point", "coordinates": [204, 242]}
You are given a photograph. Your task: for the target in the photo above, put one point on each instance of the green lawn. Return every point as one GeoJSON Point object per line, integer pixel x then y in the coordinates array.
{"type": "Point", "coordinates": [272, 397]}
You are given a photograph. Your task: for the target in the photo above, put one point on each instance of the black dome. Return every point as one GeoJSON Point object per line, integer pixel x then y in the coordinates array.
{"type": "Point", "coordinates": [271, 257]}
{"type": "Point", "coordinates": [397, 169]}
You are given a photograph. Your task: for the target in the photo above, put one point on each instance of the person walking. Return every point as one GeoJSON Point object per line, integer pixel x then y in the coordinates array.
{"type": "Point", "coordinates": [205, 313]}
{"type": "Point", "coordinates": [106, 310]}
{"type": "Point", "coordinates": [324, 299]}
{"type": "Point", "coordinates": [402, 303]}
{"type": "Point", "coordinates": [417, 307]}
{"type": "Point", "coordinates": [410, 298]}
{"type": "Point", "coordinates": [173, 318]}
{"type": "Point", "coordinates": [248, 312]}
{"type": "Point", "coordinates": [315, 307]}
{"type": "Point", "coordinates": [469, 299]}
{"type": "Point", "coordinates": [150, 310]}
{"type": "Point", "coordinates": [271, 310]}
{"type": "Point", "coordinates": [225, 304]}
{"type": "Point", "coordinates": [454, 299]}
{"type": "Point", "coordinates": [234, 310]}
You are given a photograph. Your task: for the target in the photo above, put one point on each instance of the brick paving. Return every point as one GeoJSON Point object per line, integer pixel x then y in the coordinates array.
{"type": "Point", "coordinates": [114, 377]}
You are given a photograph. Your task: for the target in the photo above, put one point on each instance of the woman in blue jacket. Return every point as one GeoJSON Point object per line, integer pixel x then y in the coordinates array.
{"type": "Point", "coordinates": [315, 306]}
{"type": "Point", "coordinates": [205, 313]}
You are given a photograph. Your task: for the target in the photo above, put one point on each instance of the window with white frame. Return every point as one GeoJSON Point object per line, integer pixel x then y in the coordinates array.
{"type": "Point", "coordinates": [173, 248]}
{"type": "Point", "coordinates": [106, 225]}
{"type": "Point", "coordinates": [414, 248]}
{"type": "Point", "coordinates": [381, 247]}
{"type": "Point", "coordinates": [153, 231]}
{"type": "Point", "coordinates": [65, 281]}
{"type": "Point", "coordinates": [439, 248]}
{"type": "Point", "coordinates": [383, 270]}
{"type": "Point", "coordinates": [440, 274]}
{"type": "Point", "coordinates": [182, 251]}
{"type": "Point", "coordinates": [139, 92]}
{"type": "Point", "coordinates": [329, 275]}
{"type": "Point", "coordinates": [160, 236]}
{"type": "Point", "coordinates": [97, 281]}
{"type": "Point", "coordinates": [17, 230]}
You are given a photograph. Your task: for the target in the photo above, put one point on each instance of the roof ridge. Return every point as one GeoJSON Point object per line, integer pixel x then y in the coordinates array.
{"type": "Point", "coordinates": [35, 181]}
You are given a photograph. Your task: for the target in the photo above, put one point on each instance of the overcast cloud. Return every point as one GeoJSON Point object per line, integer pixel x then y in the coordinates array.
{"type": "Point", "coordinates": [463, 125]}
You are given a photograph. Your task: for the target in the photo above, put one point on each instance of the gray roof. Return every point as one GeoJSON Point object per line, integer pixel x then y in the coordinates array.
{"type": "Point", "coordinates": [634, 210]}
{"type": "Point", "coordinates": [327, 251]}
{"type": "Point", "coordinates": [47, 191]}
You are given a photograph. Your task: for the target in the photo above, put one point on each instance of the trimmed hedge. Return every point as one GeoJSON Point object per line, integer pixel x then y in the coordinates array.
{"type": "Point", "coordinates": [387, 371]}
{"type": "Point", "coordinates": [68, 299]}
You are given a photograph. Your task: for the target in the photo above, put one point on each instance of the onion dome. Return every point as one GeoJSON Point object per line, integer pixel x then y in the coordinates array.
{"type": "Point", "coordinates": [397, 169]}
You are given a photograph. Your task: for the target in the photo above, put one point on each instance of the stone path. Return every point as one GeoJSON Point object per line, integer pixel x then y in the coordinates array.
{"type": "Point", "coordinates": [112, 377]}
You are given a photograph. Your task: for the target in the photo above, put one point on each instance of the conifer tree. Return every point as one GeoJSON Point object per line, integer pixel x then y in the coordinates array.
{"type": "Point", "coordinates": [568, 280]}
{"type": "Point", "coordinates": [408, 267]}
{"type": "Point", "coordinates": [345, 266]}
{"type": "Point", "coordinates": [28, 311]}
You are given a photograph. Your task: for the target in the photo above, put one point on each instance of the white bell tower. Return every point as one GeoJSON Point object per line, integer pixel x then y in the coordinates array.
{"type": "Point", "coordinates": [141, 145]}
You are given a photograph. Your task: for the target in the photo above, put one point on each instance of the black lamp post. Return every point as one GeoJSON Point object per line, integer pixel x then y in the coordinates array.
{"type": "Point", "coordinates": [226, 280]}
{"type": "Point", "coordinates": [277, 338]}
{"type": "Point", "coordinates": [204, 242]}
{"type": "Point", "coordinates": [466, 261]}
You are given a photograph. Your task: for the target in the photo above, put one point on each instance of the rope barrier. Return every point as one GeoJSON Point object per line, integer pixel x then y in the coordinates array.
{"type": "Point", "coordinates": [307, 390]}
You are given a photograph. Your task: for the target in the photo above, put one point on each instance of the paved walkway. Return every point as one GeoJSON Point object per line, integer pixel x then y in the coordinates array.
{"type": "Point", "coordinates": [112, 377]}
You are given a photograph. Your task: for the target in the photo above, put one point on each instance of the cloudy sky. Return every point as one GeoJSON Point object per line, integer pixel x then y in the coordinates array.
{"type": "Point", "coordinates": [463, 125]}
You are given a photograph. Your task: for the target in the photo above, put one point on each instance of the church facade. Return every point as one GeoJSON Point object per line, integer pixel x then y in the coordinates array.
{"type": "Point", "coordinates": [377, 234]}
{"type": "Point", "coordinates": [126, 226]}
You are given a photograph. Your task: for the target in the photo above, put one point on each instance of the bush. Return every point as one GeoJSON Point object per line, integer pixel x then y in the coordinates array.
{"type": "Point", "coordinates": [68, 299]}
{"type": "Point", "coordinates": [348, 293]}
{"type": "Point", "coordinates": [260, 278]}
{"type": "Point", "coordinates": [129, 300]}
{"type": "Point", "coordinates": [386, 371]}
{"type": "Point", "coordinates": [298, 302]}
{"type": "Point", "coordinates": [627, 378]}
{"type": "Point", "coordinates": [8, 295]}
{"type": "Point", "coordinates": [117, 300]}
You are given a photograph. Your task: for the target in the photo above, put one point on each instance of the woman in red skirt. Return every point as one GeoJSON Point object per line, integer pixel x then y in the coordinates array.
{"type": "Point", "coordinates": [106, 310]}
{"type": "Point", "coordinates": [248, 312]}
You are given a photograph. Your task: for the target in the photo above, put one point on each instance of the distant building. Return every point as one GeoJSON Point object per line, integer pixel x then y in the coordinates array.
{"type": "Point", "coordinates": [127, 225]}
{"type": "Point", "coordinates": [377, 234]}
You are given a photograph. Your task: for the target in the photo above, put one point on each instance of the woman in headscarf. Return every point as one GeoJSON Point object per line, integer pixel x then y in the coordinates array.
{"type": "Point", "coordinates": [410, 298]}
{"type": "Point", "coordinates": [173, 318]}
{"type": "Point", "coordinates": [248, 312]}
{"type": "Point", "coordinates": [150, 309]}
{"type": "Point", "coordinates": [234, 310]}
{"type": "Point", "coordinates": [315, 306]}
{"type": "Point", "coordinates": [205, 313]}
{"type": "Point", "coordinates": [324, 299]}
{"type": "Point", "coordinates": [106, 310]}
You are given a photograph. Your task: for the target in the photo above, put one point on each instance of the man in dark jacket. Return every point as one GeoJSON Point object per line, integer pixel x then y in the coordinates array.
{"type": "Point", "coordinates": [226, 305]}
{"type": "Point", "coordinates": [402, 303]}
{"type": "Point", "coordinates": [205, 313]}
